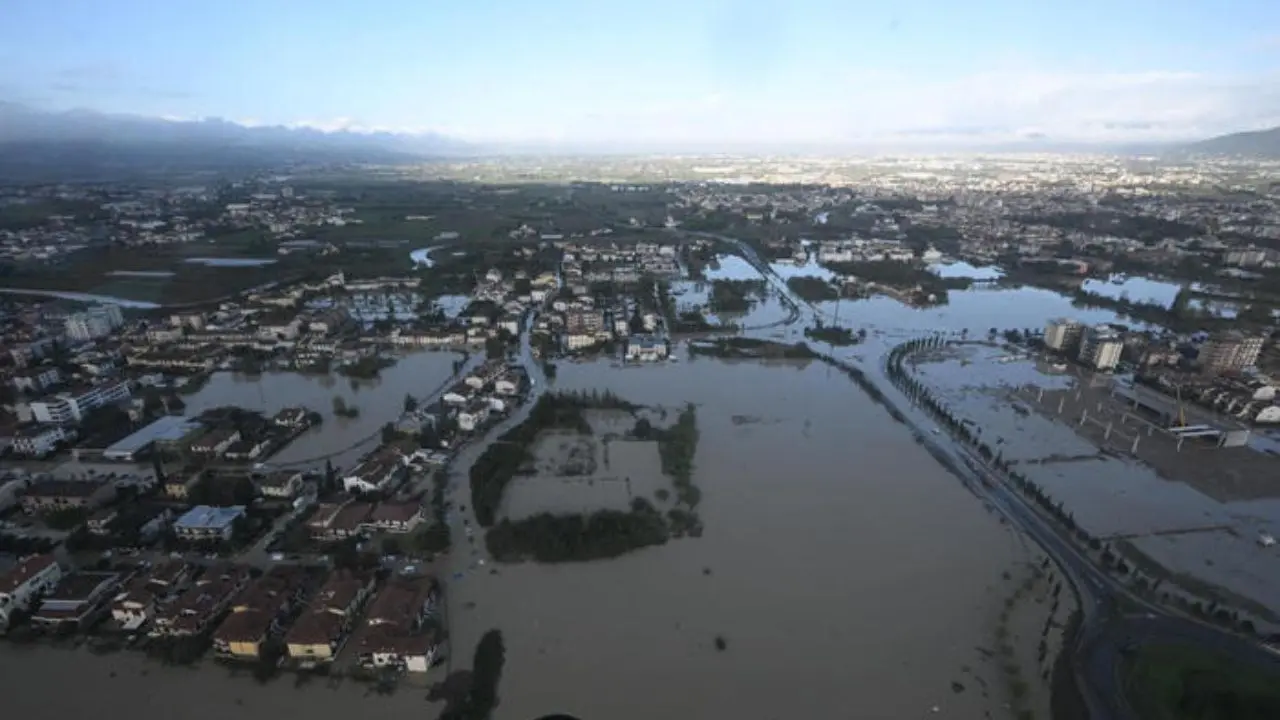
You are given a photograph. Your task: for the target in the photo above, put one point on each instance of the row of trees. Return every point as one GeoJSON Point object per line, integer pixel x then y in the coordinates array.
{"type": "Point", "coordinates": [566, 538]}
{"type": "Point", "coordinates": [502, 460]}
{"type": "Point", "coordinates": [898, 371]}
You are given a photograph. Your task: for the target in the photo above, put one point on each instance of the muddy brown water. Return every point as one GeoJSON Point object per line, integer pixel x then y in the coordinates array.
{"type": "Point", "coordinates": [379, 400]}
{"type": "Point", "coordinates": [848, 574]}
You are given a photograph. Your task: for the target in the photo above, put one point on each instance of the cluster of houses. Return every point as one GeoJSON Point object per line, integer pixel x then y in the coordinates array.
{"type": "Point", "coordinates": [312, 614]}
{"type": "Point", "coordinates": [611, 262]}
{"type": "Point", "coordinates": [583, 324]}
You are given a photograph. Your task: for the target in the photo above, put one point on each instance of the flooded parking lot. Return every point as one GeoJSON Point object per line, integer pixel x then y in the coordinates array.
{"type": "Point", "coordinates": [828, 530]}
{"type": "Point", "coordinates": [1198, 512]}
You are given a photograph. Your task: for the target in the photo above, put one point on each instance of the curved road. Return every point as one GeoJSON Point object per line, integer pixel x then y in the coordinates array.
{"type": "Point", "coordinates": [1105, 632]}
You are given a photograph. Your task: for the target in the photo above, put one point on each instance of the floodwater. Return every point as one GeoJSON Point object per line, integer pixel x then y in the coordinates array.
{"type": "Point", "coordinates": [1182, 525]}
{"type": "Point", "coordinates": [1135, 289]}
{"type": "Point", "coordinates": [974, 310]}
{"type": "Point", "coordinates": [962, 269]}
{"type": "Point", "coordinates": [732, 267]}
{"type": "Point", "coordinates": [379, 400]}
{"type": "Point", "coordinates": [84, 297]}
{"type": "Point", "coordinates": [128, 685]}
{"type": "Point", "coordinates": [422, 256]}
{"type": "Point", "coordinates": [847, 572]}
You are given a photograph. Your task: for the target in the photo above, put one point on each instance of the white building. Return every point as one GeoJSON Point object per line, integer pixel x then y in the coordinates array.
{"type": "Point", "coordinates": [37, 379]}
{"type": "Point", "coordinates": [96, 322]}
{"type": "Point", "coordinates": [1061, 334]}
{"type": "Point", "coordinates": [69, 408]}
{"type": "Point", "coordinates": [1100, 348]}
{"type": "Point", "coordinates": [39, 440]}
{"type": "Point", "coordinates": [646, 348]}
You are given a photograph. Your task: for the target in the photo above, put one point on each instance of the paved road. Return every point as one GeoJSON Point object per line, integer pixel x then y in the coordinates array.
{"type": "Point", "coordinates": [1104, 631]}
{"type": "Point", "coordinates": [467, 541]}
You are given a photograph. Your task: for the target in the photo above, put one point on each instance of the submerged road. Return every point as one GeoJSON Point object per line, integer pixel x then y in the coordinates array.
{"type": "Point", "coordinates": [1105, 633]}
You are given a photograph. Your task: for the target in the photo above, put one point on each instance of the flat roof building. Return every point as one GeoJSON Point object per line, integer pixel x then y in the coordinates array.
{"type": "Point", "coordinates": [207, 522]}
{"type": "Point", "coordinates": [168, 429]}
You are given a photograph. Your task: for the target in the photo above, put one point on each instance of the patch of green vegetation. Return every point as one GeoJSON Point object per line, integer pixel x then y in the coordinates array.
{"type": "Point", "coordinates": [734, 296]}
{"type": "Point", "coordinates": [744, 347]}
{"type": "Point", "coordinates": [834, 335]}
{"type": "Point", "coordinates": [603, 534]}
{"type": "Point", "coordinates": [1174, 682]}
{"type": "Point", "coordinates": [500, 462]}
{"type": "Point", "coordinates": [480, 698]}
{"type": "Point", "coordinates": [812, 289]}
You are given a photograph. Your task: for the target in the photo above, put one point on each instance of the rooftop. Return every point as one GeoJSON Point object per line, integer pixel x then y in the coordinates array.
{"type": "Point", "coordinates": [208, 517]}
{"type": "Point", "coordinates": [64, 488]}
{"type": "Point", "coordinates": [82, 586]}
{"type": "Point", "coordinates": [169, 428]}
{"type": "Point", "coordinates": [26, 569]}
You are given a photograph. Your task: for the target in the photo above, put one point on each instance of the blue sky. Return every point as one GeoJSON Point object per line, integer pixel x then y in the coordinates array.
{"type": "Point", "coordinates": [602, 71]}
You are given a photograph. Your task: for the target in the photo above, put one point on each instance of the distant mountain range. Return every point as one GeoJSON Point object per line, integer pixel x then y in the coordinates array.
{"type": "Point", "coordinates": [1259, 143]}
{"type": "Point", "coordinates": [36, 145]}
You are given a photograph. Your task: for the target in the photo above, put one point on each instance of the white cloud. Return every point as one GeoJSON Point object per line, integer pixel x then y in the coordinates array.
{"type": "Point", "coordinates": [983, 107]}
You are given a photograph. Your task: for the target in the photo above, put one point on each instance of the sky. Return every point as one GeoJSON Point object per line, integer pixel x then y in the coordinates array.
{"type": "Point", "coordinates": [687, 72]}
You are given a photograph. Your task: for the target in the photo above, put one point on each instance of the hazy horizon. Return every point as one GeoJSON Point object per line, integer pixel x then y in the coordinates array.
{"type": "Point", "coordinates": [575, 75]}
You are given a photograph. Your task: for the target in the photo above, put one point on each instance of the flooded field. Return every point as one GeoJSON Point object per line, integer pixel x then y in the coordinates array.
{"type": "Point", "coordinates": [584, 473]}
{"type": "Point", "coordinates": [1198, 511]}
{"type": "Point", "coordinates": [975, 310]}
{"type": "Point", "coordinates": [829, 533]}
{"type": "Point", "coordinates": [379, 400]}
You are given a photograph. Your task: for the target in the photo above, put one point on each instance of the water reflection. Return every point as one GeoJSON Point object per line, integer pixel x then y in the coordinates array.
{"type": "Point", "coordinates": [961, 269]}
{"type": "Point", "coordinates": [731, 267]}
{"type": "Point", "coordinates": [1134, 289]}
{"type": "Point", "coordinates": [822, 519]}
{"type": "Point", "coordinates": [379, 400]}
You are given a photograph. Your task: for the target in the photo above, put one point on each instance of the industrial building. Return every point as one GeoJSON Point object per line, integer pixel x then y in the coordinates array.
{"type": "Point", "coordinates": [170, 429]}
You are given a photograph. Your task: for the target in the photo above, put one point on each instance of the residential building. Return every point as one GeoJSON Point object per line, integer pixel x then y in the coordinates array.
{"type": "Point", "coordinates": [135, 605]}
{"type": "Point", "coordinates": [56, 495]}
{"type": "Point", "coordinates": [646, 348]}
{"type": "Point", "coordinates": [37, 379]}
{"type": "Point", "coordinates": [331, 613]}
{"type": "Point", "coordinates": [1100, 347]}
{"type": "Point", "coordinates": [396, 631]}
{"type": "Point", "coordinates": [215, 442]}
{"type": "Point", "coordinates": [37, 441]}
{"type": "Point", "coordinates": [93, 323]}
{"type": "Point", "coordinates": [330, 521]}
{"type": "Point", "coordinates": [206, 523]}
{"type": "Point", "coordinates": [25, 582]}
{"type": "Point", "coordinates": [583, 322]}
{"type": "Point", "coordinates": [200, 607]}
{"type": "Point", "coordinates": [1062, 334]}
{"type": "Point", "coordinates": [177, 485]}
{"type": "Point", "coordinates": [395, 517]}
{"type": "Point", "coordinates": [78, 600]}
{"type": "Point", "coordinates": [257, 612]}
{"type": "Point", "coordinates": [281, 484]}
{"type": "Point", "coordinates": [291, 418]}
{"type": "Point", "coordinates": [380, 472]}
{"type": "Point", "coordinates": [1230, 352]}
{"type": "Point", "coordinates": [69, 408]}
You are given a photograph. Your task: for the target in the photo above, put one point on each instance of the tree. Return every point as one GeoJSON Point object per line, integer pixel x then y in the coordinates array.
{"type": "Point", "coordinates": [410, 403]}
{"type": "Point", "coordinates": [495, 348]}
{"type": "Point", "coordinates": [330, 478]}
